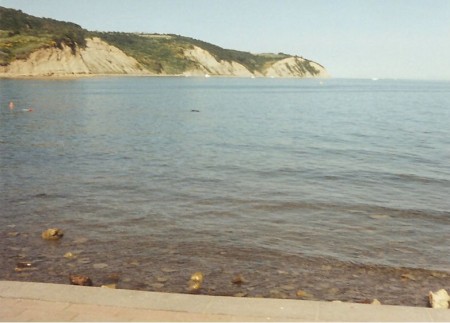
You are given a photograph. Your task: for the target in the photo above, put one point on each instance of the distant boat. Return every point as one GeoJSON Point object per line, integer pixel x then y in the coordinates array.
{"type": "Point", "coordinates": [207, 75]}
{"type": "Point", "coordinates": [374, 78]}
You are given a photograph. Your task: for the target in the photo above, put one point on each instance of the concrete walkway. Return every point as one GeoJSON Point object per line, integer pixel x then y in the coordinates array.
{"type": "Point", "coordinates": [23, 301]}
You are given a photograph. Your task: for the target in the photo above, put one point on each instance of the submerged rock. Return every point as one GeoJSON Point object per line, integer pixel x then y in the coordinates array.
{"type": "Point", "coordinates": [194, 286]}
{"type": "Point", "coordinates": [168, 270]}
{"type": "Point", "coordinates": [134, 263]}
{"type": "Point", "coordinates": [375, 302]}
{"type": "Point", "coordinates": [69, 255]}
{"type": "Point", "coordinates": [287, 287]}
{"type": "Point", "coordinates": [84, 261]}
{"type": "Point", "coordinates": [100, 266]}
{"type": "Point", "coordinates": [408, 277]}
{"type": "Point", "coordinates": [52, 234]}
{"type": "Point", "coordinates": [275, 293]}
{"type": "Point", "coordinates": [438, 274]}
{"type": "Point", "coordinates": [24, 266]}
{"type": "Point", "coordinates": [238, 279]}
{"type": "Point", "coordinates": [158, 285]}
{"type": "Point", "coordinates": [440, 299]}
{"type": "Point", "coordinates": [241, 294]}
{"type": "Point", "coordinates": [380, 216]}
{"type": "Point", "coordinates": [80, 280]}
{"type": "Point", "coordinates": [162, 279]}
{"type": "Point", "coordinates": [304, 294]}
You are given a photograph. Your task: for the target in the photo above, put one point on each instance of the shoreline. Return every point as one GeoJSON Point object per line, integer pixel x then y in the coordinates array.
{"type": "Point", "coordinates": [52, 302]}
{"type": "Point", "coordinates": [296, 277]}
{"type": "Point", "coordinates": [228, 270]}
{"type": "Point", "coordinates": [82, 76]}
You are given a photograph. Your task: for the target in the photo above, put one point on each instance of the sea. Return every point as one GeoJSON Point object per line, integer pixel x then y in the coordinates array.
{"type": "Point", "coordinates": [154, 178]}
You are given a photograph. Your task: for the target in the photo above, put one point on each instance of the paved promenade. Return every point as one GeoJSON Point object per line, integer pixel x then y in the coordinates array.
{"type": "Point", "coordinates": [23, 301]}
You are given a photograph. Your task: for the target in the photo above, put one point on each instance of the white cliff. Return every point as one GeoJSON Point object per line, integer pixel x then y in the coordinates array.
{"type": "Point", "coordinates": [97, 58]}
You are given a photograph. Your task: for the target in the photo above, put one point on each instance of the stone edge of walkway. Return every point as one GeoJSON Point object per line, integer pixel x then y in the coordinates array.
{"type": "Point", "coordinates": [214, 307]}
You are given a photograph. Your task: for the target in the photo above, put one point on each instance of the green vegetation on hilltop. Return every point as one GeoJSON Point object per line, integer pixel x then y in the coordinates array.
{"type": "Point", "coordinates": [157, 53]}
{"type": "Point", "coordinates": [21, 34]}
{"type": "Point", "coordinates": [165, 53]}
{"type": "Point", "coordinates": [251, 61]}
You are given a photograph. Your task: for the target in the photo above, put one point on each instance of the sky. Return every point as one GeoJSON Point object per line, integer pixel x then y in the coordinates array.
{"type": "Point", "coordinates": [399, 39]}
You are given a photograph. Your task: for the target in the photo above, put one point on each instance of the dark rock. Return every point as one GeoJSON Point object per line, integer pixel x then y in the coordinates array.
{"type": "Point", "coordinates": [80, 280]}
{"type": "Point", "coordinates": [24, 266]}
{"type": "Point", "coordinates": [238, 279]}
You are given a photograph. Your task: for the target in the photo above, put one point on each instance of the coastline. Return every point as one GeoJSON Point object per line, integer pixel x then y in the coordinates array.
{"type": "Point", "coordinates": [277, 276]}
{"type": "Point", "coordinates": [51, 302]}
{"type": "Point", "coordinates": [82, 76]}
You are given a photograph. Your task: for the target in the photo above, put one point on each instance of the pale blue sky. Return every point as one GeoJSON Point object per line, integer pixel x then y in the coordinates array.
{"type": "Point", "coordinates": [351, 38]}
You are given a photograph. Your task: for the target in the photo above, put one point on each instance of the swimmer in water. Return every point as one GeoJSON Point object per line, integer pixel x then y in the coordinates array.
{"type": "Point", "coordinates": [11, 105]}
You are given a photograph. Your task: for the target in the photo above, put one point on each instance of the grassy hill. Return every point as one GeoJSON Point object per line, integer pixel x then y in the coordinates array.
{"type": "Point", "coordinates": [21, 34]}
{"type": "Point", "coordinates": [160, 53]}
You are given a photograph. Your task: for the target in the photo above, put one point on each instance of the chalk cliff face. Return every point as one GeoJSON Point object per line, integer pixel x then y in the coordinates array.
{"type": "Point", "coordinates": [288, 67]}
{"type": "Point", "coordinates": [101, 58]}
{"type": "Point", "coordinates": [97, 58]}
{"type": "Point", "coordinates": [207, 64]}
{"type": "Point", "coordinates": [293, 67]}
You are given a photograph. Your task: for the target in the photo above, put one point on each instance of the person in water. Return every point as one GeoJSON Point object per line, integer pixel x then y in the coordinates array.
{"type": "Point", "coordinates": [12, 106]}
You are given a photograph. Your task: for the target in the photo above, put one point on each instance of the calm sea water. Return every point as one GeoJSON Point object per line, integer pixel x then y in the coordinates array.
{"type": "Point", "coordinates": [352, 170]}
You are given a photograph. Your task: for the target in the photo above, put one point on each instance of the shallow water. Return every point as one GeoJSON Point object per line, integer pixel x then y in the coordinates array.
{"type": "Point", "coordinates": [273, 178]}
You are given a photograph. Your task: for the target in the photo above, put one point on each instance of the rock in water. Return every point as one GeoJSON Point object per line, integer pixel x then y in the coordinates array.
{"type": "Point", "coordinates": [195, 283]}
{"type": "Point", "coordinates": [194, 286]}
{"type": "Point", "coordinates": [375, 302]}
{"type": "Point", "coordinates": [23, 266]}
{"type": "Point", "coordinates": [440, 299]}
{"type": "Point", "coordinates": [197, 277]}
{"type": "Point", "coordinates": [238, 279]}
{"type": "Point", "coordinates": [303, 294]}
{"type": "Point", "coordinates": [69, 255]}
{"type": "Point", "coordinates": [100, 266]}
{"type": "Point", "coordinates": [80, 280]}
{"type": "Point", "coordinates": [52, 234]}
